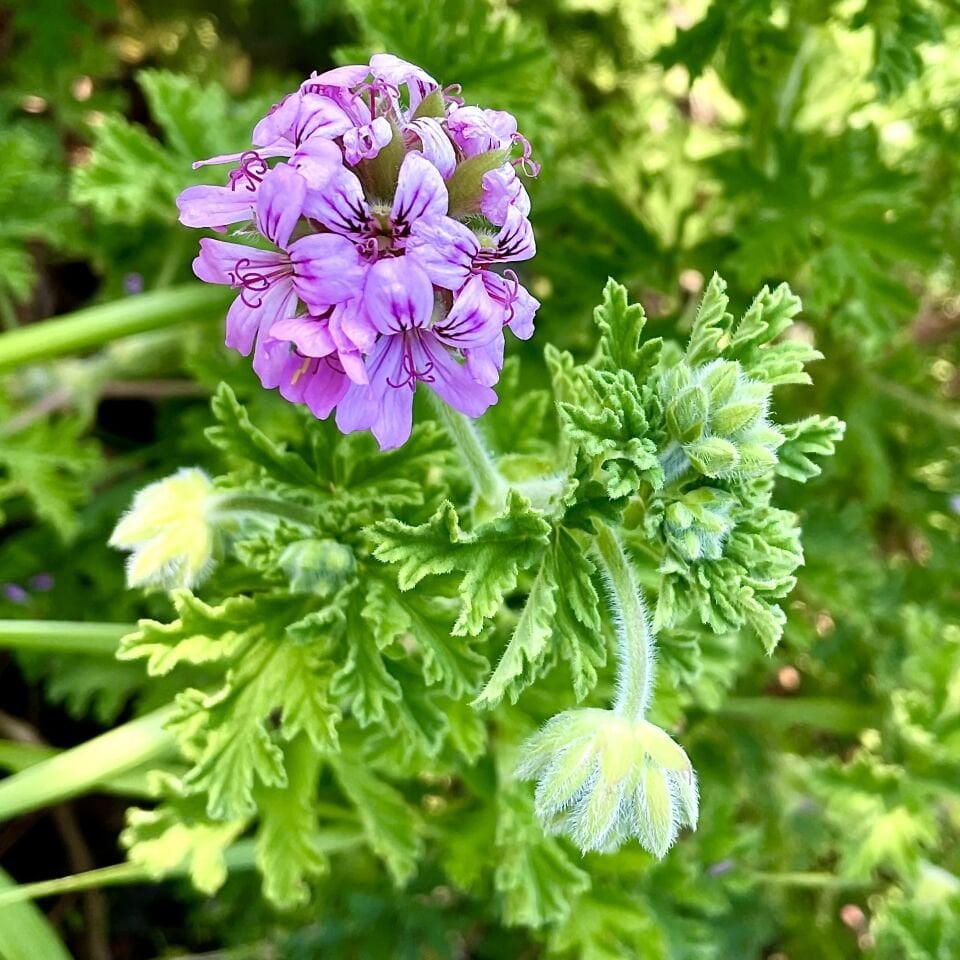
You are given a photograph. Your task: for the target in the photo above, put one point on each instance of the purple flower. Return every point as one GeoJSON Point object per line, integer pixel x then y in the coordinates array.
{"type": "Point", "coordinates": [361, 285]}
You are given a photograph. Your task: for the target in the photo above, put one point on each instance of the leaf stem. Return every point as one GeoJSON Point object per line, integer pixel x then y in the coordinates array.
{"type": "Point", "coordinates": [238, 857]}
{"type": "Point", "coordinates": [76, 770]}
{"type": "Point", "coordinates": [97, 325]}
{"type": "Point", "coordinates": [635, 665]}
{"type": "Point", "coordinates": [16, 756]}
{"type": "Point", "coordinates": [63, 636]}
{"type": "Point", "coordinates": [264, 503]}
{"type": "Point", "coordinates": [487, 480]}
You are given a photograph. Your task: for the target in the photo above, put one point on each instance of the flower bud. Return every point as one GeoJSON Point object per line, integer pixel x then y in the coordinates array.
{"type": "Point", "coordinates": [687, 413]}
{"type": "Point", "coordinates": [697, 525]}
{"type": "Point", "coordinates": [317, 566]}
{"type": "Point", "coordinates": [713, 456]}
{"type": "Point", "coordinates": [720, 379]}
{"type": "Point", "coordinates": [602, 779]}
{"type": "Point", "coordinates": [168, 532]}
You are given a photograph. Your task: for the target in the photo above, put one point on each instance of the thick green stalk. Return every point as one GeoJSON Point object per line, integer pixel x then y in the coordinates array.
{"type": "Point", "coordinates": [81, 768]}
{"type": "Point", "coordinates": [634, 638]}
{"type": "Point", "coordinates": [95, 326]}
{"type": "Point", "coordinates": [63, 636]}
{"type": "Point", "coordinates": [16, 756]}
{"type": "Point", "coordinates": [487, 481]}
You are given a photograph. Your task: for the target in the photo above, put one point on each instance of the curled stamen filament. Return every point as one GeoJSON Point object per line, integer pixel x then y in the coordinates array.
{"type": "Point", "coordinates": [529, 166]}
{"type": "Point", "coordinates": [252, 281]}
{"type": "Point", "coordinates": [253, 168]}
{"type": "Point", "coordinates": [452, 93]}
{"type": "Point", "coordinates": [413, 374]}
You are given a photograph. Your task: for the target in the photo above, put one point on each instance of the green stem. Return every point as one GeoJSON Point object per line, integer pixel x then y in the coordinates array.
{"type": "Point", "coordinates": [79, 769]}
{"type": "Point", "coordinates": [264, 503]}
{"type": "Point", "coordinates": [240, 856]}
{"type": "Point", "coordinates": [95, 326]}
{"type": "Point", "coordinates": [16, 756]}
{"type": "Point", "coordinates": [635, 673]}
{"type": "Point", "coordinates": [63, 636]}
{"type": "Point", "coordinates": [487, 481]}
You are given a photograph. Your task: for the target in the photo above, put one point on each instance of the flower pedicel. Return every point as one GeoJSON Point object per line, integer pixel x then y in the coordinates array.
{"type": "Point", "coordinates": [379, 216]}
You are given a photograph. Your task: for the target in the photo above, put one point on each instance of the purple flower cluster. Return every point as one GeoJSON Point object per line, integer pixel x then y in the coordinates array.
{"type": "Point", "coordinates": [384, 219]}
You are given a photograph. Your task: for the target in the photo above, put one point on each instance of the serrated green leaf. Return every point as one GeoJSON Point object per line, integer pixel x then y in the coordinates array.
{"type": "Point", "coordinates": [518, 667]}
{"type": "Point", "coordinates": [178, 831]}
{"type": "Point", "coordinates": [239, 438]}
{"type": "Point", "coordinates": [427, 621]}
{"type": "Point", "coordinates": [711, 324]}
{"type": "Point", "coordinates": [390, 825]}
{"type": "Point", "coordinates": [489, 557]}
{"type": "Point", "coordinates": [814, 435]}
{"type": "Point", "coordinates": [535, 878]}
{"type": "Point", "coordinates": [288, 847]}
{"type": "Point", "coordinates": [201, 634]}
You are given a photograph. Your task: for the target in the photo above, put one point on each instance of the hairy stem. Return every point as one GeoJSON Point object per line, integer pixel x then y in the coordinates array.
{"type": "Point", "coordinates": [487, 481]}
{"type": "Point", "coordinates": [95, 326]}
{"type": "Point", "coordinates": [635, 667]}
{"type": "Point", "coordinates": [264, 503]}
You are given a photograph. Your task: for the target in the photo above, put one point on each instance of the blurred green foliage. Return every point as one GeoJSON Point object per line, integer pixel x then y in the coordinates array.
{"type": "Point", "coordinates": [815, 142]}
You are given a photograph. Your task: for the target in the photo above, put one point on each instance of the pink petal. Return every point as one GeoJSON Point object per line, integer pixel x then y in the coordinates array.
{"type": "Point", "coordinates": [448, 379]}
{"type": "Point", "coordinates": [436, 145]}
{"type": "Point", "coordinates": [520, 305]}
{"type": "Point", "coordinates": [246, 317]}
{"type": "Point", "coordinates": [444, 248]}
{"type": "Point", "coordinates": [502, 189]}
{"type": "Point", "coordinates": [358, 409]}
{"type": "Point", "coordinates": [473, 320]}
{"type": "Point", "coordinates": [485, 363]}
{"type": "Point", "coordinates": [393, 387]}
{"type": "Point", "coordinates": [311, 335]}
{"type": "Point", "coordinates": [276, 364]}
{"type": "Point", "coordinates": [398, 295]}
{"type": "Point", "coordinates": [365, 142]}
{"type": "Point", "coordinates": [278, 124]}
{"type": "Point", "coordinates": [421, 192]}
{"type": "Point", "coordinates": [350, 326]}
{"type": "Point", "coordinates": [215, 206]}
{"type": "Point", "coordinates": [324, 387]}
{"type": "Point", "coordinates": [327, 270]}
{"type": "Point", "coordinates": [348, 75]}
{"type": "Point", "coordinates": [319, 116]}
{"type": "Point", "coordinates": [339, 204]}
{"type": "Point", "coordinates": [219, 261]}
{"type": "Point", "coordinates": [317, 161]}
{"type": "Point", "coordinates": [279, 203]}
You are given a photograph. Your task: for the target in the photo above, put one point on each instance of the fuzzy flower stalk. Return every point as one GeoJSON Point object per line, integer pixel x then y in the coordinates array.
{"type": "Point", "coordinates": [606, 776]}
{"type": "Point", "coordinates": [375, 217]}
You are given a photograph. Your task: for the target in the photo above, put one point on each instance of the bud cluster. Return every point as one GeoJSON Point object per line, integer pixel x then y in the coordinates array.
{"type": "Point", "coordinates": [696, 525]}
{"type": "Point", "coordinates": [380, 209]}
{"type": "Point", "coordinates": [718, 417]}
{"type": "Point", "coordinates": [603, 778]}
